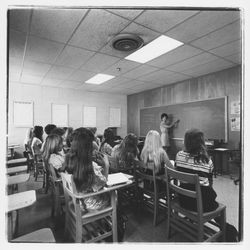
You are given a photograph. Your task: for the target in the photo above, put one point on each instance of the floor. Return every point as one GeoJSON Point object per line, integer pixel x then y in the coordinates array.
{"type": "Point", "coordinates": [139, 226]}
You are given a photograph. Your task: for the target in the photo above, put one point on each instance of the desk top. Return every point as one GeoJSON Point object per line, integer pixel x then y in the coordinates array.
{"type": "Point", "coordinates": [16, 179]}
{"type": "Point", "coordinates": [19, 160]}
{"type": "Point", "coordinates": [14, 146]}
{"type": "Point", "coordinates": [21, 200]}
{"type": "Point", "coordinates": [18, 169]}
{"type": "Point", "coordinates": [221, 149]}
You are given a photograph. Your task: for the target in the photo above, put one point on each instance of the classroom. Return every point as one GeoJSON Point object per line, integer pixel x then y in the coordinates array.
{"type": "Point", "coordinates": [124, 125]}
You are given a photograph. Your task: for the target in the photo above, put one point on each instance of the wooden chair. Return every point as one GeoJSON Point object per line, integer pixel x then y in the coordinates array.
{"type": "Point", "coordinates": [40, 170]}
{"type": "Point", "coordinates": [149, 193]}
{"type": "Point", "coordinates": [84, 226]}
{"type": "Point", "coordinates": [58, 199]}
{"type": "Point", "coordinates": [196, 226]}
{"type": "Point", "coordinates": [30, 160]}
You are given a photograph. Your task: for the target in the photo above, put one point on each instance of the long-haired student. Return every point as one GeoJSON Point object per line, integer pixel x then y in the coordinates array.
{"type": "Point", "coordinates": [87, 175]}
{"type": "Point", "coordinates": [195, 159]}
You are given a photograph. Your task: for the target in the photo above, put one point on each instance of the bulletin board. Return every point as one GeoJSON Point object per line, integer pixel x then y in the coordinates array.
{"type": "Point", "coordinates": [114, 117]}
{"type": "Point", "coordinates": [89, 116]}
{"type": "Point", "coordinates": [23, 114]}
{"type": "Point", "coordinates": [59, 114]}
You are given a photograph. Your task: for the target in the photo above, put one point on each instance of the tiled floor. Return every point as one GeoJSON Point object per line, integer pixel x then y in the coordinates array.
{"type": "Point", "coordinates": [139, 226]}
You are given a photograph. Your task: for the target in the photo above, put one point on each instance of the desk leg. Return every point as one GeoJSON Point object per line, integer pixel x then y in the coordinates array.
{"type": "Point", "coordinates": [114, 215]}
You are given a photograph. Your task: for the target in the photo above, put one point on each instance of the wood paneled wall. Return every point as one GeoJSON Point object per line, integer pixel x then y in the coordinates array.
{"type": "Point", "coordinates": [222, 83]}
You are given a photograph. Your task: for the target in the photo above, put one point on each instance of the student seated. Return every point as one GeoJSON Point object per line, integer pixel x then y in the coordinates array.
{"type": "Point", "coordinates": [28, 139]}
{"type": "Point", "coordinates": [154, 156]}
{"type": "Point", "coordinates": [126, 151]}
{"type": "Point", "coordinates": [108, 142]}
{"type": "Point", "coordinates": [87, 175]}
{"type": "Point", "coordinates": [53, 153]}
{"type": "Point", "coordinates": [37, 140]}
{"type": "Point", "coordinates": [195, 159]}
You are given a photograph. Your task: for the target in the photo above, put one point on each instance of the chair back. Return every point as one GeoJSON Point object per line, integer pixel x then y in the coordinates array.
{"type": "Point", "coordinates": [77, 217]}
{"type": "Point", "coordinates": [176, 178]}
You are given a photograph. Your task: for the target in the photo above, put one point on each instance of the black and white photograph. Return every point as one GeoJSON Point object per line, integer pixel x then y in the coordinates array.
{"type": "Point", "coordinates": [124, 124]}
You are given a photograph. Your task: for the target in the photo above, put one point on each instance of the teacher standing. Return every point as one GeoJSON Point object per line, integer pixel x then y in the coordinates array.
{"type": "Point", "coordinates": [165, 125]}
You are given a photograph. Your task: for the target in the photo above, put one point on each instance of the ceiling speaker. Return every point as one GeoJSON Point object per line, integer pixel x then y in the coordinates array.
{"type": "Point", "coordinates": [126, 42]}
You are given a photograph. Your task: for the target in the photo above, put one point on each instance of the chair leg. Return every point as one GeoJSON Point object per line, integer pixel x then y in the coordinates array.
{"type": "Point", "coordinates": [156, 203]}
{"type": "Point", "coordinates": [223, 225]}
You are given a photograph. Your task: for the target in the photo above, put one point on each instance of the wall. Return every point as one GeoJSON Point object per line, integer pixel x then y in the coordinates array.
{"type": "Point", "coordinates": [222, 83]}
{"type": "Point", "coordinates": [43, 96]}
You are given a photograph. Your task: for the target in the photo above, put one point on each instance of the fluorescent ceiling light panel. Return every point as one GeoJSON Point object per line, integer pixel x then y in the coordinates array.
{"type": "Point", "coordinates": [99, 79]}
{"type": "Point", "coordinates": [157, 47]}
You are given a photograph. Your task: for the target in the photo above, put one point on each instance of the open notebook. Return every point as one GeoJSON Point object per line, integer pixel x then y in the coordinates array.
{"type": "Point", "coordinates": [116, 179]}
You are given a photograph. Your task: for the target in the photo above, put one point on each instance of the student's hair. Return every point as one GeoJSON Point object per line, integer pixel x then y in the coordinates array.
{"type": "Point", "coordinates": [108, 137]}
{"type": "Point", "coordinates": [79, 159]}
{"type": "Point", "coordinates": [195, 145]}
{"type": "Point", "coordinates": [58, 131]}
{"type": "Point", "coordinates": [52, 145]}
{"type": "Point", "coordinates": [128, 147]}
{"type": "Point", "coordinates": [164, 115]}
{"type": "Point", "coordinates": [153, 148]}
{"type": "Point", "coordinates": [93, 130]}
{"type": "Point", "coordinates": [38, 132]}
{"type": "Point", "coordinates": [29, 136]}
{"type": "Point", "coordinates": [68, 136]}
{"type": "Point", "coordinates": [48, 128]}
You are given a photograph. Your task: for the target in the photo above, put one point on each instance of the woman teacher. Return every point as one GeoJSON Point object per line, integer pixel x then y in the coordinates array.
{"type": "Point", "coordinates": [165, 125]}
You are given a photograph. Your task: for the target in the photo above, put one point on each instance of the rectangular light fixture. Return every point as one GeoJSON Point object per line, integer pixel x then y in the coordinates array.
{"type": "Point", "coordinates": [99, 79]}
{"type": "Point", "coordinates": [157, 47]}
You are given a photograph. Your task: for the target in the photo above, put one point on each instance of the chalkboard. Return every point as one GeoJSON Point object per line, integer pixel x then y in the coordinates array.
{"type": "Point", "coordinates": [210, 116]}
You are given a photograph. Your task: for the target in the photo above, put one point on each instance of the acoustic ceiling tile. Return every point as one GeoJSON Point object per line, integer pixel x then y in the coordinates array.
{"type": "Point", "coordinates": [99, 62]}
{"type": "Point", "coordinates": [179, 54]}
{"type": "Point", "coordinates": [203, 23]}
{"type": "Point", "coordinates": [19, 19]}
{"type": "Point", "coordinates": [50, 82]}
{"type": "Point", "coordinates": [16, 44]}
{"type": "Point", "coordinates": [96, 29]}
{"type": "Point", "coordinates": [55, 24]}
{"type": "Point", "coordinates": [35, 68]}
{"type": "Point", "coordinates": [219, 37]}
{"type": "Point", "coordinates": [59, 72]}
{"type": "Point", "coordinates": [121, 67]}
{"type": "Point", "coordinates": [191, 62]}
{"type": "Point", "coordinates": [81, 76]}
{"type": "Point", "coordinates": [163, 20]}
{"type": "Point", "coordinates": [31, 79]}
{"type": "Point", "coordinates": [209, 67]}
{"type": "Point", "coordinates": [227, 49]}
{"type": "Point", "coordinates": [42, 50]}
{"type": "Point", "coordinates": [139, 71]}
{"type": "Point", "coordinates": [73, 57]}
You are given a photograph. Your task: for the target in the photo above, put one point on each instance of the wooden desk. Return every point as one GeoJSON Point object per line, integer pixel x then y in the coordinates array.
{"type": "Point", "coordinates": [16, 170]}
{"type": "Point", "coordinates": [15, 202]}
{"type": "Point", "coordinates": [12, 149]}
{"type": "Point", "coordinates": [44, 235]}
{"type": "Point", "coordinates": [21, 200]}
{"type": "Point", "coordinates": [16, 179]}
{"type": "Point", "coordinates": [16, 162]}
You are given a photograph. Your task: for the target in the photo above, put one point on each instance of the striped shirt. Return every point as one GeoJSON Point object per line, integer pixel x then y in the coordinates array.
{"type": "Point", "coordinates": [186, 163]}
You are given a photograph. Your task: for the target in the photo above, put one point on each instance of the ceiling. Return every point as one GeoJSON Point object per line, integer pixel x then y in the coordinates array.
{"type": "Point", "coordinates": [65, 47]}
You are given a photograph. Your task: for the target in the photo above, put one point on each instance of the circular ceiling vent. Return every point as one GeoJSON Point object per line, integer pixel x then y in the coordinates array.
{"type": "Point", "coordinates": [126, 42]}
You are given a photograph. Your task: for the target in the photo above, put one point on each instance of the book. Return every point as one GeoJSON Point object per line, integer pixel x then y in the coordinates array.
{"type": "Point", "coordinates": [116, 179]}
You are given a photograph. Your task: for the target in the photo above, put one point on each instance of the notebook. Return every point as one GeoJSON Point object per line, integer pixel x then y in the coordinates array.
{"type": "Point", "coordinates": [116, 179]}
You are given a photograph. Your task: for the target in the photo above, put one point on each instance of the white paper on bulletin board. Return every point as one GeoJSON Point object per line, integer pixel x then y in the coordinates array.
{"type": "Point", "coordinates": [89, 116]}
{"type": "Point", "coordinates": [235, 123]}
{"type": "Point", "coordinates": [235, 108]}
{"type": "Point", "coordinates": [23, 114]}
{"type": "Point", "coordinates": [59, 114]}
{"type": "Point", "coordinates": [115, 117]}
